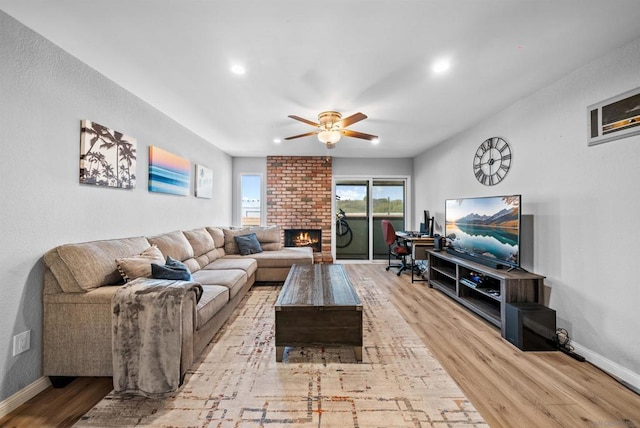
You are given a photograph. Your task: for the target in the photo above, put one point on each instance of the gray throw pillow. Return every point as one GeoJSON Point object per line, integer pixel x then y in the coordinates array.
{"type": "Point", "coordinates": [173, 269]}
{"type": "Point", "coordinates": [248, 244]}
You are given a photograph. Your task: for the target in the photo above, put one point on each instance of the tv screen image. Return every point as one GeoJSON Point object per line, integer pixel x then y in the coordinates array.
{"type": "Point", "coordinates": [485, 229]}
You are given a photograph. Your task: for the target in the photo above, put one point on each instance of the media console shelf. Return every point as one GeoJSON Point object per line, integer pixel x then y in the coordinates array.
{"type": "Point", "coordinates": [482, 289]}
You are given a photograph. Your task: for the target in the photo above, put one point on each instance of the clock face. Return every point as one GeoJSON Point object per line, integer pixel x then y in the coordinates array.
{"type": "Point", "coordinates": [492, 161]}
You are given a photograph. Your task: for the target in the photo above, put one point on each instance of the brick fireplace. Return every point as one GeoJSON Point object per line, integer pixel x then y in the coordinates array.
{"type": "Point", "coordinates": [299, 197]}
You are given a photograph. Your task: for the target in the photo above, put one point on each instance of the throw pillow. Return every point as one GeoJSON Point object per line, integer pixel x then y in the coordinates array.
{"type": "Point", "coordinates": [248, 244]}
{"type": "Point", "coordinates": [230, 245]}
{"type": "Point", "coordinates": [172, 269]}
{"type": "Point", "coordinates": [139, 266]}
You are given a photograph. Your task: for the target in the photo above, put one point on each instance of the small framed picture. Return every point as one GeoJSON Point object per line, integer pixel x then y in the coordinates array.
{"type": "Point", "coordinates": [615, 118]}
{"type": "Point", "coordinates": [204, 182]}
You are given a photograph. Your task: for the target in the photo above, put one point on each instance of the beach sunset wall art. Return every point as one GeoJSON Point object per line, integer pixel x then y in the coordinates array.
{"type": "Point", "coordinates": [168, 173]}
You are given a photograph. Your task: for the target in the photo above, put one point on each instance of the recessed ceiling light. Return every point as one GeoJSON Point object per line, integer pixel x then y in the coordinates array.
{"type": "Point", "coordinates": [375, 141]}
{"type": "Point", "coordinates": [238, 69]}
{"type": "Point", "coordinates": [277, 140]}
{"type": "Point", "coordinates": [441, 66]}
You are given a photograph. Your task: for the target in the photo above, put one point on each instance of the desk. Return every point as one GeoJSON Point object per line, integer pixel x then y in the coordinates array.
{"type": "Point", "coordinates": [419, 244]}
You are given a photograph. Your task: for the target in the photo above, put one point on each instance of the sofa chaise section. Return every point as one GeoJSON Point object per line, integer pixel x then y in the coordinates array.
{"type": "Point", "coordinates": [274, 261]}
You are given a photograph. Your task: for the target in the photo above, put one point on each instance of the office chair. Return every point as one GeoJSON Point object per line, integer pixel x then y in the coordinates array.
{"type": "Point", "coordinates": [398, 250]}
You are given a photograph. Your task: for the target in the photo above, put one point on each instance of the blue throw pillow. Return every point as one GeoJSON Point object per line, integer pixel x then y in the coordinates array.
{"type": "Point", "coordinates": [173, 269]}
{"type": "Point", "coordinates": [248, 244]}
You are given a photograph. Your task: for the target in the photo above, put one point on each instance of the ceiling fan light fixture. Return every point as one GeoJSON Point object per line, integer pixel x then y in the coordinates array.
{"type": "Point", "coordinates": [238, 69]}
{"type": "Point", "coordinates": [331, 127]}
{"type": "Point", "coordinates": [441, 66]}
{"type": "Point", "coordinates": [329, 137]}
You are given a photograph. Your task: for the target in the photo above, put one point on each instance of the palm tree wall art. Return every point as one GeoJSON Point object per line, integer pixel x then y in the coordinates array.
{"type": "Point", "coordinates": [107, 157]}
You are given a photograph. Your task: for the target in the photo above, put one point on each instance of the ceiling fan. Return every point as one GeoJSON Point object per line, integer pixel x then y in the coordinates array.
{"type": "Point", "coordinates": [332, 126]}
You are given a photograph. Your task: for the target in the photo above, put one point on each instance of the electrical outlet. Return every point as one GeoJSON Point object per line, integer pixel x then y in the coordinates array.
{"type": "Point", "coordinates": [21, 342]}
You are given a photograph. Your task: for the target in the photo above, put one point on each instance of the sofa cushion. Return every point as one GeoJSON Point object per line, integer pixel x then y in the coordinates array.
{"type": "Point", "coordinates": [218, 236]}
{"type": "Point", "coordinates": [86, 266]}
{"type": "Point", "coordinates": [172, 269]}
{"type": "Point", "coordinates": [214, 297]}
{"type": "Point", "coordinates": [233, 279]}
{"type": "Point", "coordinates": [139, 266]}
{"type": "Point", "coordinates": [204, 249]}
{"type": "Point", "coordinates": [269, 237]}
{"type": "Point", "coordinates": [174, 244]}
{"type": "Point", "coordinates": [201, 241]}
{"type": "Point", "coordinates": [272, 246]}
{"type": "Point", "coordinates": [247, 264]}
{"type": "Point", "coordinates": [230, 245]}
{"type": "Point", "coordinates": [266, 235]}
{"type": "Point", "coordinates": [281, 259]}
{"type": "Point", "coordinates": [248, 244]}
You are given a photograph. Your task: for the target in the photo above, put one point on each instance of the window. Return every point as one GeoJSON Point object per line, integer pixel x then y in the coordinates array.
{"type": "Point", "coordinates": [251, 197]}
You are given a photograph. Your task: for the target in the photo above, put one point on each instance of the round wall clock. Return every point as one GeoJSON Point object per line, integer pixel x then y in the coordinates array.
{"type": "Point", "coordinates": [492, 161]}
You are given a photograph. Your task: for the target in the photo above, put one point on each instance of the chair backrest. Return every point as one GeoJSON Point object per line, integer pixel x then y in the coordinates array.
{"type": "Point", "coordinates": [388, 232]}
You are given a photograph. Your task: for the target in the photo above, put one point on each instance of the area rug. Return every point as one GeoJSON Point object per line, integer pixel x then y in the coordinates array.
{"type": "Point", "coordinates": [237, 382]}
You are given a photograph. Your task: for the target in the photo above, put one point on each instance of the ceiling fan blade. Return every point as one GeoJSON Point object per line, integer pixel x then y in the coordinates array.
{"type": "Point", "coordinates": [302, 119]}
{"type": "Point", "coordinates": [352, 119]}
{"type": "Point", "coordinates": [356, 134]}
{"type": "Point", "coordinates": [302, 135]}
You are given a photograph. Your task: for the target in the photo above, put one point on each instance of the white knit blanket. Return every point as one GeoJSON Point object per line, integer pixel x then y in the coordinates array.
{"type": "Point", "coordinates": [147, 335]}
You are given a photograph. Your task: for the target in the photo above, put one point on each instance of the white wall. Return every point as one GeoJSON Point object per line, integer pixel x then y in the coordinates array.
{"type": "Point", "coordinates": [585, 202]}
{"type": "Point", "coordinates": [372, 167]}
{"type": "Point", "coordinates": [44, 93]}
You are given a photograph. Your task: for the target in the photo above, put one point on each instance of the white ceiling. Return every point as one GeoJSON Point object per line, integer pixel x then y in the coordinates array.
{"type": "Point", "coordinates": [305, 57]}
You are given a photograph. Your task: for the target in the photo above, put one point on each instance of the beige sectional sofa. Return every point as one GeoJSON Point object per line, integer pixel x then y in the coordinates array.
{"type": "Point", "coordinates": [81, 279]}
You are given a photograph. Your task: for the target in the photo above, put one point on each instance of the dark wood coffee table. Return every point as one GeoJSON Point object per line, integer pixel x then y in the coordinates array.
{"type": "Point", "coordinates": [318, 306]}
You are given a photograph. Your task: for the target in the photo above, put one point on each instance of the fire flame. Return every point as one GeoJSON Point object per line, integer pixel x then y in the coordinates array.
{"type": "Point", "coordinates": [304, 239]}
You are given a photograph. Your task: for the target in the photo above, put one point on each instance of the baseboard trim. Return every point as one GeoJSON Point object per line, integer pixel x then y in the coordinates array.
{"type": "Point", "coordinates": [25, 394]}
{"type": "Point", "coordinates": [622, 374]}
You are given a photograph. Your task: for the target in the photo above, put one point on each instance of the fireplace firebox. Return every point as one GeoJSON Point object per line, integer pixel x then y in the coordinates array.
{"type": "Point", "coordinates": [304, 238]}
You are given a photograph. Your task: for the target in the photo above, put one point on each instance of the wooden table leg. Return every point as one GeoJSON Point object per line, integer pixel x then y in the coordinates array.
{"type": "Point", "coordinates": [358, 351]}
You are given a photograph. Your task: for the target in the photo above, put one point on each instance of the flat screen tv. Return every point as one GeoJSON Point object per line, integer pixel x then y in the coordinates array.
{"type": "Point", "coordinates": [486, 229]}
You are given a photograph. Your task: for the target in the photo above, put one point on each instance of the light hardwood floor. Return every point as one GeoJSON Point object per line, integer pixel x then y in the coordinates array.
{"type": "Point", "coordinates": [509, 387]}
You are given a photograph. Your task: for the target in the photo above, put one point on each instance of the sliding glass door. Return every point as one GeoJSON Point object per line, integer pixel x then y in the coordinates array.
{"type": "Point", "coordinates": [361, 205]}
{"type": "Point", "coordinates": [388, 204]}
{"type": "Point", "coordinates": [351, 235]}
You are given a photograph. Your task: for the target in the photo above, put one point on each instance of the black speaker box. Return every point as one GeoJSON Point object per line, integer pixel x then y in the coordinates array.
{"type": "Point", "coordinates": [438, 242]}
{"type": "Point", "coordinates": [530, 326]}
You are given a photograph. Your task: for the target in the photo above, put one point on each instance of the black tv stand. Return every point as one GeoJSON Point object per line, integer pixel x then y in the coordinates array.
{"type": "Point", "coordinates": [518, 268]}
{"type": "Point", "coordinates": [456, 277]}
